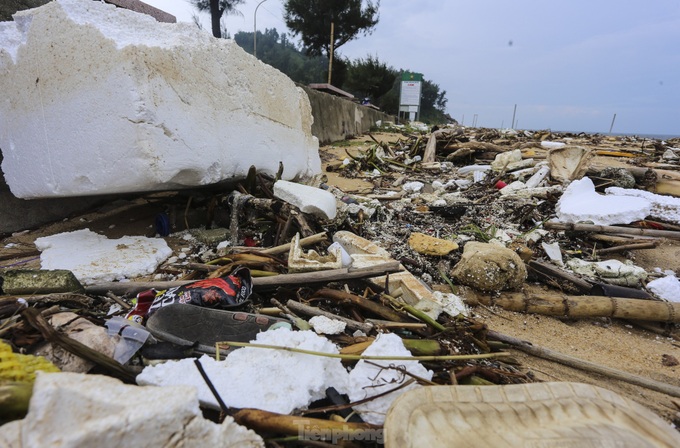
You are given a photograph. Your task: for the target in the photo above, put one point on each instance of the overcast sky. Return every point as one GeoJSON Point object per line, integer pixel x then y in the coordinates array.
{"type": "Point", "coordinates": [568, 65]}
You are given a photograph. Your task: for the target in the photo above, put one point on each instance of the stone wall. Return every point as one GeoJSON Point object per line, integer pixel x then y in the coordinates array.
{"type": "Point", "coordinates": [337, 118]}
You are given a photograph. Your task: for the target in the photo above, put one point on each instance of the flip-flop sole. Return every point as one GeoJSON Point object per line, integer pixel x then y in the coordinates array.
{"type": "Point", "coordinates": [185, 324]}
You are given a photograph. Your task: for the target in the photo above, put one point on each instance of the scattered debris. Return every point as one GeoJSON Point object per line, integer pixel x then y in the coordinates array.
{"type": "Point", "coordinates": [339, 301]}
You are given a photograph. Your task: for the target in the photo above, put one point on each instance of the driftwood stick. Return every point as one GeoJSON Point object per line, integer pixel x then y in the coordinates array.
{"type": "Point", "coordinates": [558, 304]}
{"type": "Point", "coordinates": [120, 288]}
{"type": "Point", "coordinates": [552, 271]}
{"type": "Point", "coordinates": [577, 363]}
{"type": "Point", "coordinates": [318, 238]}
{"type": "Point", "coordinates": [67, 298]}
{"type": "Point", "coordinates": [430, 149]}
{"type": "Point", "coordinates": [38, 322]}
{"type": "Point", "coordinates": [624, 247]}
{"type": "Point", "coordinates": [613, 239]}
{"type": "Point", "coordinates": [313, 311]}
{"type": "Point", "coordinates": [365, 304]}
{"type": "Point", "coordinates": [612, 229]}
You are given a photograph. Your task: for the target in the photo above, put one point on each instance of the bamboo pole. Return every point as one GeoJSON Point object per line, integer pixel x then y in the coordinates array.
{"type": "Point", "coordinates": [313, 311]}
{"type": "Point", "coordinates": [612, 229]}
{"type": "Point", "coordinates": [331, 275]}
{"type": "Point", "coordinates": [365, 304]}
{"type": "Point", "coordinates": [558, 304]}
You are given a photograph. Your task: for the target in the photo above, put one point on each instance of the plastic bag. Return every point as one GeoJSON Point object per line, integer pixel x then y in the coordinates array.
{"type": "Point", "coordinates": [223, 293]}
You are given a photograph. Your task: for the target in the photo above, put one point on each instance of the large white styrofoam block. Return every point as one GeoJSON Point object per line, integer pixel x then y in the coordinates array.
{"type": "Point", "coordinates": [666, 208]}
{"type": "Point", "coordinates": [70, 410]}
{"type": "Point", "coordinates": [98, 100]}
{"type": "Point", "coordinates": [580, 202]}
{"type": "Point", "coordinates": [308, 199]}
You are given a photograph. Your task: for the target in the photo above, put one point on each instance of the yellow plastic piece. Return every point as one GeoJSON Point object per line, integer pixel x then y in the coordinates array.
{"type": "Point", "coordinates": [21, 368]}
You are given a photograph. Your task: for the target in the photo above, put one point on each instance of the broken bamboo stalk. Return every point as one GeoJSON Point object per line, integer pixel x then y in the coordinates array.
{"type": "Point", "coordinates": [624, 247]}
{"type": "Point", "coordinates": [313, 311]}
{"type": "Point", "coordinates": [552, 271]}
{"type": "Point", "coordinates": [611, 229]}
{"type": "Point", "coordinates": [314, 239]}
{"type": "Point", "coordinates": [613, 239]}
{"type": "Point", "coordinates": [365, 304]}
{"type": "Point", "coordinates": [577, 363]}
{"type": "Point", "coordinates": [558, 304]}
{"type": "Point", "coordinates": [272, 423]}
{"type": "Point", "coordinates": [121, 288]}
{"type": "Point", "coordinates": [37, 321]}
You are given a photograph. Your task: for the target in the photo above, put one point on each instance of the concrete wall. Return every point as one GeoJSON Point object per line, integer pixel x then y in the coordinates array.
{"type": "Point", "coordinates": [337, 118]}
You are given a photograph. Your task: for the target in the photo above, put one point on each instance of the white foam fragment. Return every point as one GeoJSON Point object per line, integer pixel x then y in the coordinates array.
{"type": "Point", "coordinates": [504, 159]}
{"type": "Point", "coordinates": [413, 187]}
{"type": "Point", "coordinates": [94, 258]}
{"type": "Point", "coordinates": [368, 380]}
{"type": "Point", "coordinates": [552, 145]}
{"type": "Point", "coordinates": [308, 199]}
{"type": "Point", "coordinates": [665, 208]}
{"type": "Point", "coordinates": [325, 325]}
{"type": "Point", "coordinates": [613, 271]}
{"type": "Point", "coordinates": [99, 100]}
{"type": "Point", "coordinates": [473, 168]}
{"type": "Point", "coordinates": [580, 202]}
{"type": "Point", "coordinates": [451, 304]}
{"type": "Point", "coordinates": [70, 410]}
{"type": "Point", "coordinates": [667, 288]}
{"type": "Point", "coordinates": [267, 379]}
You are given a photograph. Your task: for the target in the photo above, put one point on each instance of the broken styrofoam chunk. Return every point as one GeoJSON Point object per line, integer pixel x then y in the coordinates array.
{"type": "Point", "coordinates": [100, 99]}
{"type": "Point", "coordinates": [478, 176]}
{"type": "Point", "coordinates": [580, 202]}
{"type": "Point", "coordinates": [377, 377]}
{"type": "Point", "coordinates": [413, 187]}
{"type": "Point", "coordinates": [325, 325]}
{"type": "Point", "coordinates": [612, 271]}
{"type": "Point", "coordinates": [94, 258]}
{"type": "Point", "coordinates": [473, 168]}
{"type": "Point", "coordinates": [665, 208]}
{"type": "Point", "coordinates": [504, 159]}
{"type": "Point", "coordinates": [451, 304]}
{"type": "Point", "coordinates": [568, 163]}
{"type": "Point", "coordinates": [71, 410]}
{"type": "Point", "coordinates": [271, 380]}
{"type": "Point", "coordinates": [301, 261]}
{"type": "Point", "coordinates": [535, 180]}
{"type": "Point", "coordinates": [344, 256]}
{"type": "Point", "coordinates": [553, 252]}
{"type": "Point", "coordinates": [315, 201]}
{"type": "Point", "coordinates": [667, 288]}
{"type": "Point", "coordinates": [552, 145]}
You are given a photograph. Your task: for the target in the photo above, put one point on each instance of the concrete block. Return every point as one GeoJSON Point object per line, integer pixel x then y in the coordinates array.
{"type": "Point", "coordinates": [98, 99]}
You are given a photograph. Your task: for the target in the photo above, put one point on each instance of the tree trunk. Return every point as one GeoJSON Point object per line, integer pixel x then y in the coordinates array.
{"type": "Point", "coordinates": [215, 15]}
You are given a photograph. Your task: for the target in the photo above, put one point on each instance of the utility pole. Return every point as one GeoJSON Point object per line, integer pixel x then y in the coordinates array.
{"type": "Point", "coordinates": [255, 28]}
{"type": "Point", "coordinates": [612, 126]}
{"type": "Point", "coordinates": [513, 117]}
{"type": "Point", "coordinates": [330, 54]}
